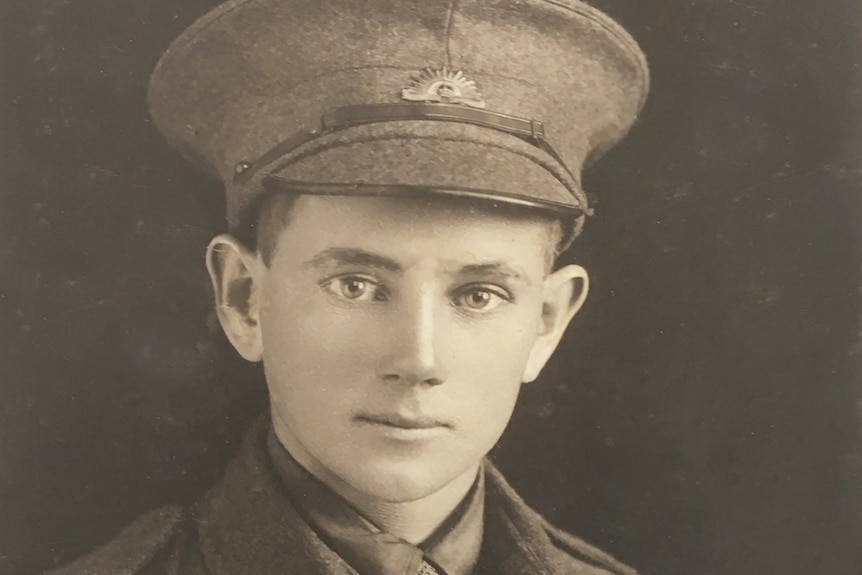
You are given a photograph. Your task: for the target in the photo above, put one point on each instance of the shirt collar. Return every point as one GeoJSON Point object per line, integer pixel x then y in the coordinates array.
{"type": "Point", "coordinates": [454, 547]}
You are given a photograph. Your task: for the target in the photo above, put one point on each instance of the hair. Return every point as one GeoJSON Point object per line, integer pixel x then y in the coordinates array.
{"type": "Point", "coordinates": [261, 222]}
{"type": "Point", "coordinates": [265, 219]}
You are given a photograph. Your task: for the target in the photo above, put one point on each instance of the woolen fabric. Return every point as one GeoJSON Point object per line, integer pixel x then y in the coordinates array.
{"type": "Point", "coordinates": [253, 73]}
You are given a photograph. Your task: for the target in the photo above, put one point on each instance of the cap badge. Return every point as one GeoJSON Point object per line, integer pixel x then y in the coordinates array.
{"type": "Point", "coordinates": [444, 86]}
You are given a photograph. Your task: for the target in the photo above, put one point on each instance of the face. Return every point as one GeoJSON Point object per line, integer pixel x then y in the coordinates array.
{"type": "Point", "coordinates": [396, 334]}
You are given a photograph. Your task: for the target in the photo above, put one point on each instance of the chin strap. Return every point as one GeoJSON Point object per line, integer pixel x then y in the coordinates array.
{"type": "Point", "coordinates": [344, 117]}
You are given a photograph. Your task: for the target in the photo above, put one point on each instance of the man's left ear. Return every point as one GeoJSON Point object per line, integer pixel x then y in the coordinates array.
{"type": "Point", "coordinates": [565, 292]}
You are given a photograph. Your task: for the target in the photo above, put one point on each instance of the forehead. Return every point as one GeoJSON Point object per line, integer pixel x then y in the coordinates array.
{"type": "Point", "coordinates": [431, 215]}
{"type": "Point", "coordinates": [414, 225]}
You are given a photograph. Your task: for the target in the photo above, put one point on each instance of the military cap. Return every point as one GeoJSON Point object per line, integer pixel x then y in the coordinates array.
{"type": "Point", "coordinates": [500, 99]}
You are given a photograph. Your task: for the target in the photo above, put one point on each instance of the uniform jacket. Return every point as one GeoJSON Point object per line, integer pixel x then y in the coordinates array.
{"type": "Point", "coordinates": [247, 525]}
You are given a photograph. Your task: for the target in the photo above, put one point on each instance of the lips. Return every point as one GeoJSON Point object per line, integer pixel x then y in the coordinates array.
{"type": "Point", "coordinates": [402, 421]}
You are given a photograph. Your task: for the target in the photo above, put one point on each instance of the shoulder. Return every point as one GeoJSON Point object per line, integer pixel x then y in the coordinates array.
{"type": "Point", "coordinates": [583, 551]}
{"type": "Point", "coordinates": [134, 548]}
{"type": "Point", "coordinates": [548, 548]}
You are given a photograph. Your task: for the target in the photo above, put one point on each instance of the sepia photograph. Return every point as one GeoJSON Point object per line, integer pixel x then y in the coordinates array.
{"type": "Point", "coordinates": [430, 287]}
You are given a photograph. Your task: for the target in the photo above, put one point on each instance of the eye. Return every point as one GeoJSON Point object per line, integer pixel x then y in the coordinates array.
{"type": "Point", "coordinates": [355, 288]}
{"type": "Point", "coordinates": [481, 298]}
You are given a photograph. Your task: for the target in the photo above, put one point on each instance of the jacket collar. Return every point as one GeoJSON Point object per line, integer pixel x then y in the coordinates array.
{"type": "Point", "coordinates": [247, 524]}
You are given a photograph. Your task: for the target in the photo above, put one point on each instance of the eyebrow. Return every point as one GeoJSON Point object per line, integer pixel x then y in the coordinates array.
{"type": "Point", "coordinates": [499, 270]}
{"type": "Point", "coordinates": [355, 257]}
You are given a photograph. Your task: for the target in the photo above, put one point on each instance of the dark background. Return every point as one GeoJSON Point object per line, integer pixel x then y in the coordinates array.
{"type": "Point", "coordinates": [704, 415]}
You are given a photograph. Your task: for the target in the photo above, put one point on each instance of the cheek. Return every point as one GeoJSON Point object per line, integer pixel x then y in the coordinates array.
{"type": "Point", "coordinates": [318, 355]}
{"type": "Point", "coordinates": [499, 347]}
{"type": "Point", "coordinates": [300, 326]}
{"type": "Point", "coordinates": [486, 366]}
{"type": "Point", "coordinates": [485, 411]}
{"type": "Point", "coordinates": [313, 379]}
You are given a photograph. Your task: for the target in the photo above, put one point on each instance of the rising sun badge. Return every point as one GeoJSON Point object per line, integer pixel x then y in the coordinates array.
{"type": "Point", "coordinates": [444, 86]}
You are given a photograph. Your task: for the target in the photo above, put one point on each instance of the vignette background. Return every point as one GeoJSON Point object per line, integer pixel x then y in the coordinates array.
{"type": "Point", "coordinates": [704, 414]}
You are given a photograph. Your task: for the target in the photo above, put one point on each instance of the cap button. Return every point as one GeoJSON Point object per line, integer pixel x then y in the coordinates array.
{"type": "Point", "coordinates": [242, 167]}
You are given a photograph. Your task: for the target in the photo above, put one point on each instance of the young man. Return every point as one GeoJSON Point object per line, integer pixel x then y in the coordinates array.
{"type": "Point", "coordinates": [400, 177]}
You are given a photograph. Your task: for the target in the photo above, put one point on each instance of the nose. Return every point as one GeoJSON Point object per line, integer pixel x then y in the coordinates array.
{"type": "Point", "coordinates": [413, 356]}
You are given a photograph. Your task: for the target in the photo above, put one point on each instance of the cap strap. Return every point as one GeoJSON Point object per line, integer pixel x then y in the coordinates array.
{"type": "Point", "coordinates": [344, 117]}
{"type": "Point", "coordinates": [347, 116]}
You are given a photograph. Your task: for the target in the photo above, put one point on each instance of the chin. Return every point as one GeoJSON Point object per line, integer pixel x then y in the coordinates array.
{"type": "Point", "coordinates": [402, 482]}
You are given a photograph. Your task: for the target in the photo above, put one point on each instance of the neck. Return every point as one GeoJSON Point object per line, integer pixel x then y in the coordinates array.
{"type": "Point", "coordinates": [415, 521]}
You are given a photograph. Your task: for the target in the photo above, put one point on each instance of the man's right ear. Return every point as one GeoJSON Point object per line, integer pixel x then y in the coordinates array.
{"type": "Point", "coordinates": [236, 275]}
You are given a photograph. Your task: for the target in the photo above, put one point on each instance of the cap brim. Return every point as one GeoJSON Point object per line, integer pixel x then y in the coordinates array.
{"type": "Point", "coordinates": [426, 158]}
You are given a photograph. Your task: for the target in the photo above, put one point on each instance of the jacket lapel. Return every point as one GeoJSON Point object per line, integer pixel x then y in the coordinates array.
{"type": "Point", "coordinates": [518, 541]}
{"type": "Point", "coordinates": [247, 524]}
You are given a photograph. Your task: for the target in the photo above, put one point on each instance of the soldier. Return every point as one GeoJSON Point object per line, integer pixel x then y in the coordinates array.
{"type": "Point", "coordinates": [400, 177]}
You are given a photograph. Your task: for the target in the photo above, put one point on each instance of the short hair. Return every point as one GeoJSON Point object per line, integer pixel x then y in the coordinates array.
{"type": "Point", "coordinates": [269, 216]}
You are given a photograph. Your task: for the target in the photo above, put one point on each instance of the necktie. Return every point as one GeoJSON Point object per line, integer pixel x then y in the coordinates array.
{"type": "Point", "coordinates": [426, 568]}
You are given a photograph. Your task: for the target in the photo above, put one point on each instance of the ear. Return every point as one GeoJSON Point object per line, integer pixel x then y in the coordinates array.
{"type": "Point", "coordinates": [236, 275]}
{"type": "Point", "coordinates": [565, 292]}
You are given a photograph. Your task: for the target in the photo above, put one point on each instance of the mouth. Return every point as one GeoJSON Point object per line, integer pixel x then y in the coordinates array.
{"type": "Point", "coordinates": [402, 421]}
